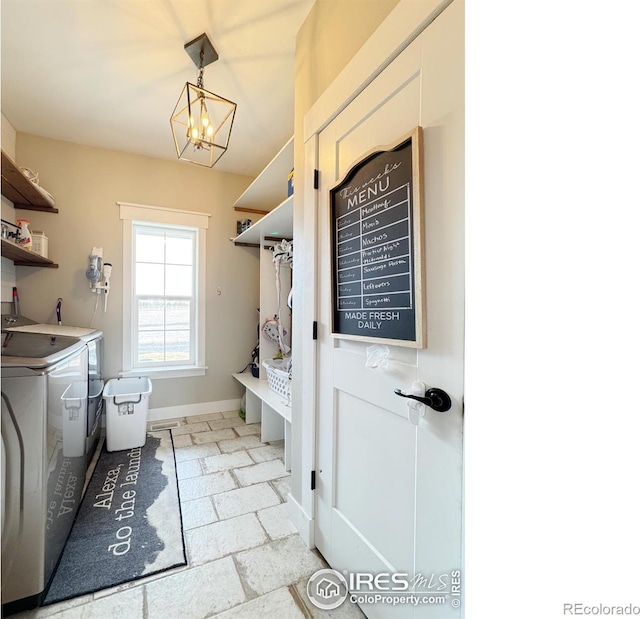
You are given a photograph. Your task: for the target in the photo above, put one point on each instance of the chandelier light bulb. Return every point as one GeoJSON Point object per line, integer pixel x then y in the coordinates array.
{"type": "Point", "coordinates": [204, 114]}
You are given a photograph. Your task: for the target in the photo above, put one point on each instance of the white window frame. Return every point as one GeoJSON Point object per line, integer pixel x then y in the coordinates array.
{"type": "Point", "coordinates": [145, 227]}
{"type": "Point", "coordinates": [161, 216]}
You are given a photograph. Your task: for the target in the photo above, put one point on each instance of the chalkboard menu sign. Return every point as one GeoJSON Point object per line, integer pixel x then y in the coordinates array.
{"type": "Point", "coordinates": [376, 247]}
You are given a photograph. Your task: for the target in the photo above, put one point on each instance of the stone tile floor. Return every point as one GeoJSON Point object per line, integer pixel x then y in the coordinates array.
{"type": "Point", "coordinates": [245, 557]}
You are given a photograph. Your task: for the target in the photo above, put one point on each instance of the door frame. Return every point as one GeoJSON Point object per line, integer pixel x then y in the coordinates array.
{"type": "Point", "coordinates": [399, 29]}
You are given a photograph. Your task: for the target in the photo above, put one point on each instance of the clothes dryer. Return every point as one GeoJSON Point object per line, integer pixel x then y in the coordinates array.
{"type": "Point", "coordinates": [95, 342]}
{"type": "Point", "coordinates": [44, 393]}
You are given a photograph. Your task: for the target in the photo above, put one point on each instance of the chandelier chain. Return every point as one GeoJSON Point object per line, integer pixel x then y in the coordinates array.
{"type": "Point", "coordinates": [200, 83]}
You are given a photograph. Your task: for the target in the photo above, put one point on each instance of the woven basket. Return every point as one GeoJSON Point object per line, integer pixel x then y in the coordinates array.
{"type": "Point", "coordinates": [277, 379]}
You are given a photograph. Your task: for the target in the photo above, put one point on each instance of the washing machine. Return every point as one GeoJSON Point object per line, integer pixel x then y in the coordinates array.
{"type": "Point", "coordinates": [95, 343]}
{"type": "Point", "coordinates": [44, 397]}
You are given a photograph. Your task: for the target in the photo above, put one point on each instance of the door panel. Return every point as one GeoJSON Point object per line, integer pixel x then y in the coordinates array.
{"type": "Point", "coordinates": [364, 429]}
{"type": "Point", "coordinates": [352, 138]}
{"type": "Point", "coordinates": [389, 493]}
{"type": "Point", "coordinates": [371, 385]}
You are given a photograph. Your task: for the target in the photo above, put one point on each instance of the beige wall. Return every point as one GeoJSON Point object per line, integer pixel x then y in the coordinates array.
{"type": "Point", "coordinates": [8, 137]}
{"type": "Point", "coordinates": [86, 183]}
{"type": "Point", "coordinates": [8, 141]}
{"type": "Point", "coordinates": [328, 39]}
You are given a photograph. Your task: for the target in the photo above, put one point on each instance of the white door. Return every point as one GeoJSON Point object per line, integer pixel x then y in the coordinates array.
{"type": "Point", "coordinates": [389, 493]}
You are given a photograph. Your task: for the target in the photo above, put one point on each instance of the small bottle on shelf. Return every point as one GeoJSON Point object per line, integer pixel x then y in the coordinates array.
{"type": "Point", "coordinates": [25, 240]}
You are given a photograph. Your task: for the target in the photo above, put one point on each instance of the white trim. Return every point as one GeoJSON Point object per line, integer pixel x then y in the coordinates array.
{"type": "Point", "coordinates": [191, 410]}
{"type": "Point", "coordinates": [407, 20]}
{"type": "Point", "coordinates": [301, 521]}
{"type": "Point", "coordinates": [127, 294]}
{"type": "Point", "coordinates": [192, 234]}
{"type": "Point", "coordinates": [167, 372]}
{"type": "Point", "coordinates": [162, 215]}
{"type": "Point", "coordinates": [305, 396]}
{"type": "Point", "coordinates": [201, 297]}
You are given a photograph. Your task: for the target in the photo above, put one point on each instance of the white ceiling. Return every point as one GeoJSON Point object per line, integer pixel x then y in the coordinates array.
{"type": "Point", "coordinates": [108, 73]}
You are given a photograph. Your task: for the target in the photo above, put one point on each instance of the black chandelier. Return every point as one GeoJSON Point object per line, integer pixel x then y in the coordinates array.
{"type": "Point", "coordinates": [201, 121]}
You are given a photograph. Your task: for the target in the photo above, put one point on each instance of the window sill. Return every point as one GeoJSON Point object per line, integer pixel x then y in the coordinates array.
{"type": "Point", "coordinates": [167, 372]}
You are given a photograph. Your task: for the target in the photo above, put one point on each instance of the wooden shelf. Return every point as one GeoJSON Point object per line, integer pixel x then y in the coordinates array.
{"type": "Point", "coordinates": [21, 191]}
{"type": "Point", "coordinates": [23, 257]}
{"type": "Point", "coordinates": [277, 223]}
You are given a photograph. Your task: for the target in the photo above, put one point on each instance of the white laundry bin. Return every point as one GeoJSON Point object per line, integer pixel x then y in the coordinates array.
{"type": "Point", "coordinates": [127, 401]}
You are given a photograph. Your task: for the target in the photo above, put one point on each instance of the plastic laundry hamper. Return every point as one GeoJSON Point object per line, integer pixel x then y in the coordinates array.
{"type": "Point", "coordinates": [127, 401]}
{"type": "Point", "coordinates": [278, 379]}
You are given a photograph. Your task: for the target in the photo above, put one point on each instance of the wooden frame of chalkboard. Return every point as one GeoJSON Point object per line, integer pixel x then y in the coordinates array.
{"type": "Point", "coordinates": [377, 258]}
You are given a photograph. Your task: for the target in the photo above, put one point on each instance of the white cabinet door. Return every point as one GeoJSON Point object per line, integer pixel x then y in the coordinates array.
{"type": "Point", "coordinates": [389, 493]}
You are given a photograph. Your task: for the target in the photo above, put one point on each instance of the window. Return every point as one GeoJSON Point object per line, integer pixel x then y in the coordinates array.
{"type": "Point", "coordinates": [163, 295]}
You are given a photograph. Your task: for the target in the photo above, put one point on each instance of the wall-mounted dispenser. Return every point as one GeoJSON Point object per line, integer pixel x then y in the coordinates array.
{"type": "Point", "coordinates": [99, 274]}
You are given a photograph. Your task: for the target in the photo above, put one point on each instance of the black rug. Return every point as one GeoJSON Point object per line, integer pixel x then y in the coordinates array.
{"type": "Point", "coordinates": [129, 524]}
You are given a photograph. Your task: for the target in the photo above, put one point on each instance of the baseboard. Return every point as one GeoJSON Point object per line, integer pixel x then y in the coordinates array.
{"type": "Point", "coordinates": [301, 520]}
{"type": "Point", "coordinates": [191, 410]}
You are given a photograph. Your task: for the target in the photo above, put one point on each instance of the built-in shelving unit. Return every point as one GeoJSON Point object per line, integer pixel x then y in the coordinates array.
{"type": "Point", "coordinates": [260, 388]}
{"type": "Point", "coordinates": [270, 186]}
{"type": "Point", "coordinates": [267, 199]}
{"type": "Point", "coordinates": [276, 223]}
{"type": "Point", "coordinates": [271, 410]}
{"type": "Point", "coordinates": [21, 191]}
